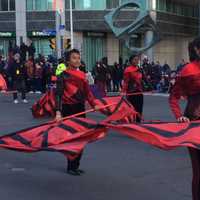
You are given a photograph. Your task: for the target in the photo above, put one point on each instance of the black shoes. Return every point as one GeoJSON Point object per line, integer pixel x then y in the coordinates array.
{"type": "Point", "coordinates": [81, 171]}
{"type": "Point", "coordinates": [76, 172]}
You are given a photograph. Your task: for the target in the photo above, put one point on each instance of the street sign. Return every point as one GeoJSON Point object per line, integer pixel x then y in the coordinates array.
{"type": "Point", "coordinates": [50, 32]}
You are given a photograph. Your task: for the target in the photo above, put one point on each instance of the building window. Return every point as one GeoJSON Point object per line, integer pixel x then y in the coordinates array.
{"type": "Point", "coordinates": [42, 47]}
{"type": "Point", "coordinates": [177, 8]}
{"type": "Point", "coordinates": [12, 5]}
{"type": "Point", "coordinates": [29, 5]}
{"type": "Point", "coordinates": [112, 4]}
{"type": "Point", "coordinates": [49, 4]}
{"type": "Point", "coordinates": [90, 4]}
{"type": "Point", "coordinates": [67, 4]}
{"type": "Point", "coordinates": [4, 5]}
{"type": "Point", "coordinates": [41, 5]}
{"type": "Point", "coordinates": [7, 5]}
{"type": "Point", "coordinates": [94, 49]}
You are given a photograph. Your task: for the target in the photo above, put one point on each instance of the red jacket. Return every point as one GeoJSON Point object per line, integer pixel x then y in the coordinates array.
{"type": "Point", "coordinates": [73, 88]}
{"type": "Point", "coordinates": [132, 80]}
{"type": "Point", "coordinates": [187, 84]}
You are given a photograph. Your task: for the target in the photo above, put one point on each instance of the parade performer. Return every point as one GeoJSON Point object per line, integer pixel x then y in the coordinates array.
{"type": "Point", "coordinates": [133, 84]}
{"type": "Point", "coordinates": [188, 86]}
{"type": "Point", "coordinates": [71, 93]}
{"type": "Point", "coordinates": [18, 74]}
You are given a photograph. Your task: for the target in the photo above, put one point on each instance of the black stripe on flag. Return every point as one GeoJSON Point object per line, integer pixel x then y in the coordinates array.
{"type": "Point", "coordinates": [20, 139]}
{"type": "Point", "coordinates": [84, 123]}
{"type": "Point", "coordinates": [45, 139]}
{"type": "Point", "coordinates": [67, 128]}
{"type": "Point", "coordinates": [168, 134]}
{"type": "Point", "coordinates": [103, 101]}
{"type": "Point", "coordinates": [2, 142]}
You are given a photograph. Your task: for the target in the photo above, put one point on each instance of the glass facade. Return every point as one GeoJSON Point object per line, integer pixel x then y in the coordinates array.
{"type": "Point", "coordinates": [42, 46]}
{"type": "Point", "coordinates": [4, 45]}
{"type": "Point", "coordinates": [177, 8]}
{"type": "Point", "coordinates": [40, 5]}
{"type": "Point", "coordinates": [96, 4]}
{"type": "Point", "coordinates": [7, 5]}
{"type": "Point", "coordinates": [161, 5]}
{"type": "Point", "coordinates": [94, 49]}
{"type": "Point", "coordinates": [112, 4]}
{"type": "Point", "coordinates": [90, 4]}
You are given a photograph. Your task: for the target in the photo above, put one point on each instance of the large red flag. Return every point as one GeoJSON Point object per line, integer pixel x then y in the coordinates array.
{"type": "Point", "coordinates": [166, 136]}
{"type": "Point", "coordinates": [3, 85]}
{"type": "Point", "coordinates": [69, 137]}
{"type": "Point", "coordinates": [45, 106]}
{"type": "Point", "coordinates": [120, 109]}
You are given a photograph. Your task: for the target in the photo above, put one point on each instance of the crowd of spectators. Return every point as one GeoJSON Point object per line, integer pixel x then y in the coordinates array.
{"type": "Point", "coordinates": [157, 77]}
{"type": "Point", "coordinates": [25, 71]}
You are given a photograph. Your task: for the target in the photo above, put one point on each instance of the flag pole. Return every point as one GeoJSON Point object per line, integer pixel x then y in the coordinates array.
{"type": "Point", "coordinates": [71, 25]}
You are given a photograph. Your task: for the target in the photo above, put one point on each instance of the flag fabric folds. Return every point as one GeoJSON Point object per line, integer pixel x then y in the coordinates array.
{"type": "Point", "coordinates": [45, 106]}
{"type": "Point", "coordinates": [165, 136]}
{"type": "Point", "coordinates": [69, 137]}
{"type": "Point", "coordinates": [72, 135]}
{"type": "Point", "coordinates": [120, 110]}
{"type": "Point", "coordinates": [3, 85]}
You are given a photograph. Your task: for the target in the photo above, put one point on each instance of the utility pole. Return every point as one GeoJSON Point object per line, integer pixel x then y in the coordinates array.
{"type": "Point", "coordinates": [60, 26]}
{"type": "Point", "coordinates": [151, 6]}
{"type": "Point", "coordinates": [20, 13]}
{"type": "Point", "coordinates": [71, 25]}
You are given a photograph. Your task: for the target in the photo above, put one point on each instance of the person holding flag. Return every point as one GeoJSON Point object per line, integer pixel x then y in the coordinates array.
{"type": "Point", "coordinates": [133, 84]}
{"type": "Point", "coordinates": [72, 91]}
{"type": "Point", "coordinates": [188, 86]}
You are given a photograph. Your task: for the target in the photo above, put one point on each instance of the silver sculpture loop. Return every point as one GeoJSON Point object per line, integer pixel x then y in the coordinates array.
{"type": "Point", "coordinates": [141, 24]}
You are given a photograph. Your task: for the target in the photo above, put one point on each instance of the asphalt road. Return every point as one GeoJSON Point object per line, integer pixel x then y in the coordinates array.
{"type": "Point", "coordinates": [117, 168]}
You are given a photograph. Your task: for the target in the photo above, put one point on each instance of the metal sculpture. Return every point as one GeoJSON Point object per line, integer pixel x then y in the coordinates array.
{"type": "Point", "coordinates": [141, 24]}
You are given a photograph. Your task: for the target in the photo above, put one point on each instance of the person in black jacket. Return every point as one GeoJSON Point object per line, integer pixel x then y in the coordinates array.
{"type": "Point", "coordinates": [18, 75]}
{"type": "Point", "coordinates": [72, 91]}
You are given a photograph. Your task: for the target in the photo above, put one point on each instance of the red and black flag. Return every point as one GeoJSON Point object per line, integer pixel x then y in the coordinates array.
{"type": "Point", "coordinates": [3, 85]}
{"type": "Point", "coordinates": [166, 136]}
{"type": "Point", "coordinates": [120, 111]}
{"type": "Point", "coordinates": [69, 137]}
{"type": "Point", "coordinates": [45, 106]}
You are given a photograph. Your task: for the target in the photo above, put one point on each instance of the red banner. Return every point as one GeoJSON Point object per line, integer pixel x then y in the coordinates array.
{"type": "Point", "coordinates": [3, 85]}
{"type": "Point", "coordinates": [166, 136]}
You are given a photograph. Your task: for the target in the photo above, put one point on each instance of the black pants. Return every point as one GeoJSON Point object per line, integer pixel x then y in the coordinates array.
{"type": "Point", "coordinates": [137, 101]}
{"type": "Point", "coordinates": [30, 84]}
{"type": "Point", "coordinates": [19, 86]}
{"type": "Point", "coordinates": [195, 158]}
{"type": "Point", "coordinates": [68, 110]}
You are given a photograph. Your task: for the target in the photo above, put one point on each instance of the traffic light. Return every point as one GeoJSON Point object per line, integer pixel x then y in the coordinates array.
{"type": "Point", "coordinates": [67, 44]}
{"type": "Point", "coordinates": [52, 43]}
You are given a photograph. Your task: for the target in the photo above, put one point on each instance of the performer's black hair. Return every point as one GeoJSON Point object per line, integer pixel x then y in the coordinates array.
{"type": "Point", "coordinates": [191, 48]}
{"type": "Point", "coordinates": [61, 60]}
{"type": "Point", "coordinates": [192, 52]}
{"type": "Point", "coordinates": [69, 53]}
{"type": "Point", "coordinates": [197, 42]}
{"type": "Point", "coordinates": [132, 57]}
